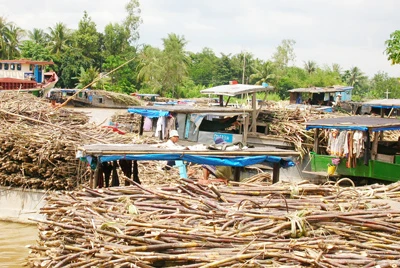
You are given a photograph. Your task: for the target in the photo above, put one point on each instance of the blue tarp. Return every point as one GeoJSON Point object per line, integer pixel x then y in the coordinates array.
{"type": "Point", "coordinates": [148, 113]}
{"type": "Point", "coordinates": [241, 161]}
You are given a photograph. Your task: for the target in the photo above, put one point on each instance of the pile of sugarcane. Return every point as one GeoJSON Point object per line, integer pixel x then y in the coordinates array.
{"type": "Point", "coordinates": [289, 125]}
{"type": "Point", "coordinates": [126, 121]}
{"type": "Point", "coordinates": [120, 98]}
{"type": "Point", "coordinates": [250, 225]}
{"type": "Point", "coordinates": [38, 143]}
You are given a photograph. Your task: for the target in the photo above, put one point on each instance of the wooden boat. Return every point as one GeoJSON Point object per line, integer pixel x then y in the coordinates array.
{"type": "Point", "coordinates": [379, 159]}
{"type": "Point", "coordinates": [104, 99]}
{"type": "Point", "coordinates": [27, 76]}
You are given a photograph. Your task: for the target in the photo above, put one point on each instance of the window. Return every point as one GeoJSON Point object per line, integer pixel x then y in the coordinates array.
{"type": "Point", "coordinates": [19, 66]}
{"type": "Point", "coordinates": [30, 67]}
{"type": "Point", "coordinates": [1, 66]}
{"type": "Point", "coordinates": [5, 66]}
{"type": "Point", "coordinates": [12, 66]}
{"type": "Point", "coordinates": [100, 100]}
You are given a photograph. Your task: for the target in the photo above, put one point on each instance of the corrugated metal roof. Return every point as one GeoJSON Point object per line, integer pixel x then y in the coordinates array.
{"type": "Point", "coordinates": [355, 123]}
{"type": "Point", "coordinates": [193, 109]}
{"type": "Point", "coordinates": [28, 62]}
{"type": "Point", "coordinates": [395, 103]}
{"type": "Point", "coordinates": [321, 89]}
{"type": "Point", "coordinates": [235, 89]}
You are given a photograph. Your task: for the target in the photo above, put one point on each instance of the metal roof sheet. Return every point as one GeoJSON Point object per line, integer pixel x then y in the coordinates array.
{"type": "Point", "coordinates": [356, 123]}
{"type": "Point", "coordinates": [395, 103]}
{"type": "Point", "coordinates": [28, 62]}
{"type": "Point", "coordinates": [321, 89]}
{"type": "Point", "coordinates": [193, 109]}
{"type": "Point", "coordinates": [235, 89]}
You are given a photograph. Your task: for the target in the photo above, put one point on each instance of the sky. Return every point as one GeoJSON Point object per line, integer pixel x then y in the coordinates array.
{"type": "Point", "coordinates": [347, 32]}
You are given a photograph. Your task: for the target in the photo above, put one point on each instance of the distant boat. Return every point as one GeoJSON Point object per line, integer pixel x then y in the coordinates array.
{"type": "Point", "coordinates": [104, 99]}
{"type": "Point", "coordinates": [27, 76]}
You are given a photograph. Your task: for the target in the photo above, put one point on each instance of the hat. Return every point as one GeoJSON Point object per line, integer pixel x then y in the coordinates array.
{"type": "Point", "coordinates": [173, 133]}
{"type": "Point", "coordinates": [219, 140]}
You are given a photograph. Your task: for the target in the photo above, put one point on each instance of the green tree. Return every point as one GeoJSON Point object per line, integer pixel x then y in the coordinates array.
{"type": "Point", "coordinates": [35, 51]}
{"type": "Point", "coordinates": [224, 72]}
{"type": "Point", "coordinates": [264, 73]}
{"type": "Point", "coordinates": [115, 40]}
{"type": "Point", "coordinates": [86, 38]}
{"type": "Point", "coordinates": [310, 66]}
{"type": "Point", "coordinates": [70, 63]}
{"type": "Point", "coordinates": [38, 36]}
{"type": "Point", "coordinates": [175, 63]}
{"type": "Point", "coordinates": [150, 69]}
{"type": "Point", "coordinates": [203, 66]}
{"type": "Point", "coordinates": [89, 76]}
{"type": "Point", "coordinates": [393, 47]}
{"type": "Point", "coordinates": [133, 20]}
{"type": "Point", "coordinates": [284, 54]}
{"type": "Point", "coordinates": [60, 38]}
{"type": "Point", "coordinates": [382, 83]}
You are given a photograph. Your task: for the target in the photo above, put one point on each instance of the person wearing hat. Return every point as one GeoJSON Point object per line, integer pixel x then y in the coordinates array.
{"type": "Point", "coordinates": [221, 173]}
{"type": "Point", "coordinates": [338, 99]}
{"type": "Point", "coordinates": [172, 143]}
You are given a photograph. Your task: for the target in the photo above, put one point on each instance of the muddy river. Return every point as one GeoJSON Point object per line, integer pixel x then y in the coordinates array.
{"type": "Point", "coordinates": [14, 238]}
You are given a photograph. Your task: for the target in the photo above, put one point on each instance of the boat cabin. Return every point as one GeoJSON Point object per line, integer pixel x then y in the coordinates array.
{"type": "Point", "coordinates": [357, 148]}
{"type": "Point", "coordinates": [24, 74]}
{"type": "Point", "coordinates": [194, 124]}
{"type": "Point", "coordinates": [233, 90]}
{"type": "Point", "coordinates": [383, 107]}
{"type": "Point", "coordinates": [327, 96]}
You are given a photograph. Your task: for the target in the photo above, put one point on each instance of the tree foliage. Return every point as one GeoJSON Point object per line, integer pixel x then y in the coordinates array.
{"type": "Point", "coordinates": [393, 47]}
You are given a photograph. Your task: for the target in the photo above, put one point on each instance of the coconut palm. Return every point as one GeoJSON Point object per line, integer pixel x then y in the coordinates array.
{"type": "Point", "coordinates": [150, 68]}
{"type": "Point", "coordinates": [310, 66]}
{"type": "Point", "coordinates": [38, 36]}
{"type": "Point", "coordinates": [10, 37]}
{"type": "Point", "coordinates": [355, 76]}
{"type": "Point", "coordinates": [60, 37]}
{"type": "Point", "coordinates": [264, 72]}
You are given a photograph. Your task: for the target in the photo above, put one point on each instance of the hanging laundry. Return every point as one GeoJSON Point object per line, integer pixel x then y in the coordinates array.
{"type": "Point", "coordinates": [148, 124]}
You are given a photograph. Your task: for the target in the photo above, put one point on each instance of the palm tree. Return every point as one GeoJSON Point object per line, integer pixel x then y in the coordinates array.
{"type": "Point", "coordinates": [264, 72]}
{"type": "Point", "coordinates": [59, 38]}
{"type": "Point", "coordinates": [355, 76]}
{"type": "Point", "coordinates": [310, 66]}
{"type": "Point", "coordinates": [150, 68]}
{"type": "Point", "coordinates": [38, 36]}
{"type": "Point", "coordinates": [175, 62]}
{"type": "Point", "coordinates": [15, 35]}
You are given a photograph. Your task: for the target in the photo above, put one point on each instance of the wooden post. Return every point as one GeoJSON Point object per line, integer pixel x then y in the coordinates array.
{"type": "Point", "coordinates": [237, 174]}
{"type": "Point", "coordinates": [96, 174]}
{"type": "Point", "coordinates": [254, 113]}
{"type": "Point", "coordinates": [316, 141]}
{"type": "Point", "coordinates": [141, 125]}
{"type": "Point", "coordinates": [135, 172]}
{"type": "Point", "coordinates": [221, 100]}
{"type": "Point", "coordinates": [374, 151]}
{"type": "Point", "coordinates": [382, 113]}
{"type": "Point", "coordinates": [245, 128]}
{"type": "Point", "coordinates": [275, 172]}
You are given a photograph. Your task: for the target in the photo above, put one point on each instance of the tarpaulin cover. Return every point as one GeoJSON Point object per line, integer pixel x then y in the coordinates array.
{"type": "Point", "coordinates": [207, 160]}
{"type": "Point", "coordinates": [148, 113]}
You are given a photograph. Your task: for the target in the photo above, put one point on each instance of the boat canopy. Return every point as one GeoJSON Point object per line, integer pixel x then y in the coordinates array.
{"type": "Point", "coordinates": [383, 103]}
{"type": "Point", "coordinates": [321, 89]}
{"type": "Point", "coordinates": [363, 123]}
{"type": "Point", "coordinates": [235, 89]}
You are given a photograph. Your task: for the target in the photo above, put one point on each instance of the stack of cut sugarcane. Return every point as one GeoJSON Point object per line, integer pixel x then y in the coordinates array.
{"type": "Point", "coordinates": [38, 143]}
{"type": "Point", "coordinates": [250, 225]}
{"type": "Point", "coordinates": [127, 121]}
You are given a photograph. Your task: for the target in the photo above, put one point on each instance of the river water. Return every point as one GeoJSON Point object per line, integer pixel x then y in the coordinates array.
{"type": "Point", "coordinates": [15, 237]}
